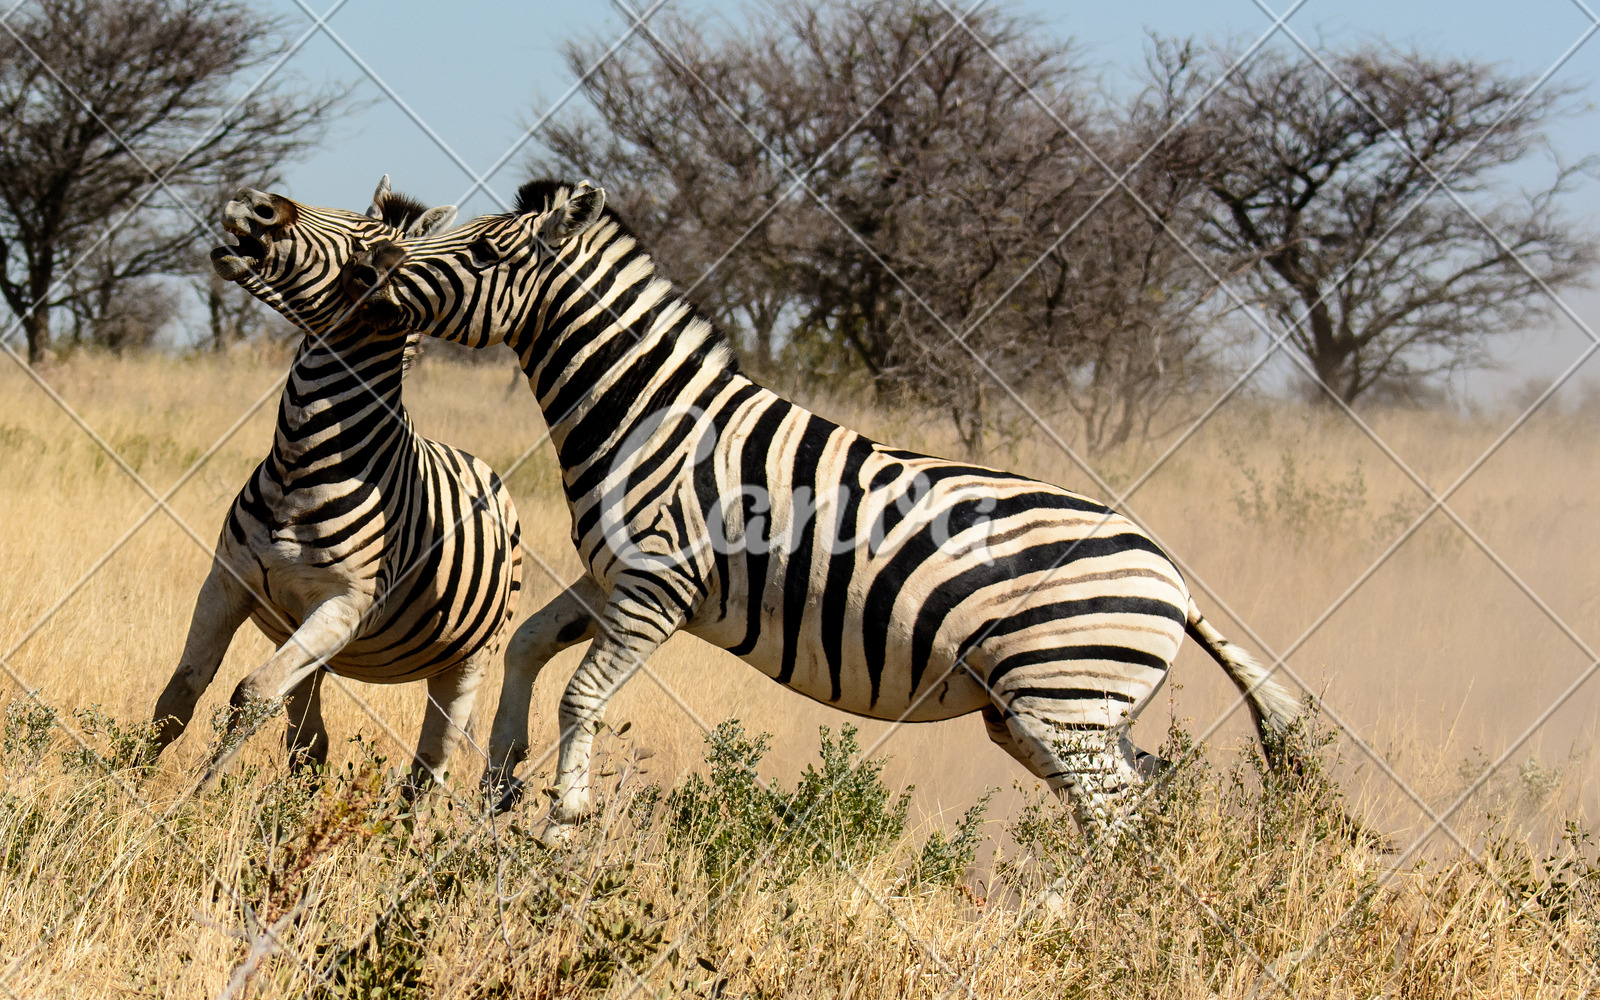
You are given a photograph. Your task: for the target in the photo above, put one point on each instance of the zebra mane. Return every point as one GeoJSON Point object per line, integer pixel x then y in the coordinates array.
{"type": "Point", "coordinates": [401, 210]}
{"type": "Point", "coordinates": [538, 195]}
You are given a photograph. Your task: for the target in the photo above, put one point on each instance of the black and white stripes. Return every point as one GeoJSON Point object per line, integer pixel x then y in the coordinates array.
{"type": "Point", "coordinates": [357, 546]}
{"type": "Point", "coordinates": [883, 582]}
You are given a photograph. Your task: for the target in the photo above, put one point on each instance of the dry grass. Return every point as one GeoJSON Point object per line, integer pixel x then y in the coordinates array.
{"type": "Point", "coordinates": [1438, 662]}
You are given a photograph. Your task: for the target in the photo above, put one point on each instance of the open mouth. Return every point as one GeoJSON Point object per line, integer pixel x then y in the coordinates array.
{"type": "Point", "coordinates": [242, 254]}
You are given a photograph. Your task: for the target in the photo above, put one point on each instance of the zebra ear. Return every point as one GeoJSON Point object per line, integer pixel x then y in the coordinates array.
{"type": "Point", "coordinates": [434, 220]}
{"type": "Point", "coordinates": [580, 211]}
{"type": "Point", "coordinates": [378, 198]}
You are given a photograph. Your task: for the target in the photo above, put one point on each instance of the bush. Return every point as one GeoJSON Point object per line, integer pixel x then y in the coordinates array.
{"type": "Point", "coordinates": [840, 815]}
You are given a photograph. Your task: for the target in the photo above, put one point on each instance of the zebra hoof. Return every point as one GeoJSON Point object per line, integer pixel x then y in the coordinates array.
{"type": "Point", "coordinates": [506, 795]}
{"type": "Point", "coordinates": [557, 834]}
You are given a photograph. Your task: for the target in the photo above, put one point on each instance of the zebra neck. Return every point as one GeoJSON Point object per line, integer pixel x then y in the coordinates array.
{"type": "Point", "coordinates": [340, 399]}
{"type": "Point", "coordinates": [630, 352]}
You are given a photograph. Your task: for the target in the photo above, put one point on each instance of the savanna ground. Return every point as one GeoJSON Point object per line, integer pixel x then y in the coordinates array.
{"type": "Point", "coordinates": [115, 882]}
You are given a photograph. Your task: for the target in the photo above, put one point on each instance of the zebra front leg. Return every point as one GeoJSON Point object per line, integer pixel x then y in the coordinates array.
{"type": "Point", "coordinates": [565, 621]}
{"type": "Point", "coordinates": [451, 696]}
{"type": "Point", "coordinates": [325, 631]}
{"type": "Point", "coordinates": [624, 639]}
{"type": "Point", "coordinates": [306, 737]}
{"type": "Point", "coordinates": [223, 605]}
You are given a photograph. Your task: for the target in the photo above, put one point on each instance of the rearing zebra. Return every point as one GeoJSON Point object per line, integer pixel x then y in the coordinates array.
{"type": "Point", "coordinates": [391, 557]}
{"type": "Point", "coordinates": [882, 582]}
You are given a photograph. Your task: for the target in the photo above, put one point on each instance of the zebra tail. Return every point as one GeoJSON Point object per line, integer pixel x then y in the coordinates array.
{"type": "Point", "coordinates": [1274, 710]}
{"type": "Point", "coordinates": [1271, 705]}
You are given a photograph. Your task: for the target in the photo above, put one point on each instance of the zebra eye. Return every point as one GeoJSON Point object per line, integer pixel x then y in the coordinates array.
{"type": "Point", "coordinates": [483, 252]}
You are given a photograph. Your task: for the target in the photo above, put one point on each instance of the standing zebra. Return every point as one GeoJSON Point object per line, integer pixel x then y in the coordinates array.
{"type": "Point", "coordinates": [357, 546]}
{"type": "Point", "coordinates": [882, 582]}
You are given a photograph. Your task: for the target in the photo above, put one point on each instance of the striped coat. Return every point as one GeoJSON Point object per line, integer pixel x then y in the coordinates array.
{"type": "Point", "coordinates": [357, 546]}
{"type": "Point", "coordinates": [883, 582]}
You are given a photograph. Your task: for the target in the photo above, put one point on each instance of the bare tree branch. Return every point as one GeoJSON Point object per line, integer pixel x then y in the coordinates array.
{"type": "Point", "coordinates": [98, 94]}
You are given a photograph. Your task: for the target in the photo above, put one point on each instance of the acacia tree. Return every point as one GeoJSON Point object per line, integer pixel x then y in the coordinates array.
{"type": "Point", "coordinates": [1322, 194]}
{"type": "Point", "coordinates": [945, 241]}
{"type": "Point", "coordinates": [98, 98]}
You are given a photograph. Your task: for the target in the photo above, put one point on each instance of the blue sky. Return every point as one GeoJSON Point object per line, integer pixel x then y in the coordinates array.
{"type": "Point", "coordinates": [477, 73]}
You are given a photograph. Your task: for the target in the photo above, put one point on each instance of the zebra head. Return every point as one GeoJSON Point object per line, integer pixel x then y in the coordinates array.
{"type": "Point", "coordinates": [290, 255]}
{"type": "Point", "coordinates": [432, 284]}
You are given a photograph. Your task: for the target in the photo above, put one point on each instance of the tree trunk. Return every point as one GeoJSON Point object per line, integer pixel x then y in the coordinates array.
{"type": "Point", "coordinates": [37, 326]}
{"type": "Point", "coordinates": [1332, 367]}
{"type": "Point", "coordinates": [214, 304]}
{"type": "Point", "coordinates": [763, 345]}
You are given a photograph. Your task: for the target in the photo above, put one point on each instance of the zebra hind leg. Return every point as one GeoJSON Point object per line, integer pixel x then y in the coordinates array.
{"type": "Point", "coordinates": [1095, 771]}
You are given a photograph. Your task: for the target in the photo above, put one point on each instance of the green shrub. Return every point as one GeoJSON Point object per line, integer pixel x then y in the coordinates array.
{"type": "Point", "coordinates": [852, 814]}
{"type": "Point", "coordinates": [945, 860]}
{"type": "Point", "coordinates": [29, 727]}
{"type": "Point", "coordinates": [107, 743]}
{"type": "Point", "coordinates": [839, 815]}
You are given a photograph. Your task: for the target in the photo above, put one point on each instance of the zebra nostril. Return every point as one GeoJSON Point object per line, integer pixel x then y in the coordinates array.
{"type": "Point", "coordinates": [266, 212]}
{"type": "Point", "coordinates": [366, 274]}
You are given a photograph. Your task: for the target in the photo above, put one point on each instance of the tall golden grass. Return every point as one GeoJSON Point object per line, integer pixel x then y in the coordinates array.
{"type": "Point", "coordinates": [1438, 662]}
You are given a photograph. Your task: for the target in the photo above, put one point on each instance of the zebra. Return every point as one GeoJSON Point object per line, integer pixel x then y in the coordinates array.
{"type": "Point", "coordinates": [883, 582]}
{"type": "Point", "coordinates": [357, 546]}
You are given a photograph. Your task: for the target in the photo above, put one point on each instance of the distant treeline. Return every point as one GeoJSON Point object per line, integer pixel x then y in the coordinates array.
{"type": "Point", "coordinates": [946, 209]}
